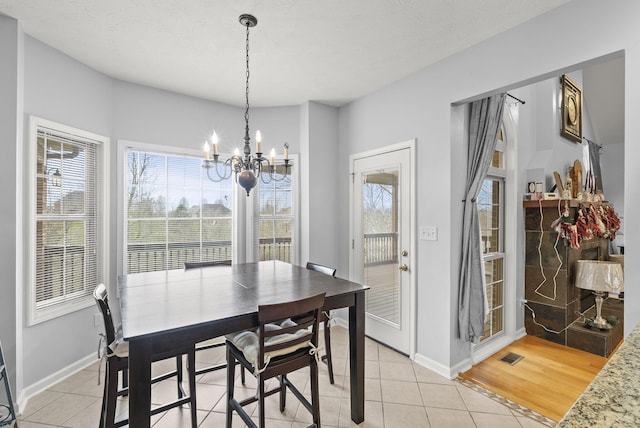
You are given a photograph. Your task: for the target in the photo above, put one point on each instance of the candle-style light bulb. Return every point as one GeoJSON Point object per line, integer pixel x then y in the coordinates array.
{"type": "Point", "coordinates": [258, 142]}
{"type": "Point", "coordinates": [272, 156]}
{"type": "Point", "coordinates": [236, 157]}
{"type": "Point", "coordinates": [206, 150]}
{"type": "Point", "coordinates": [214, 143]}
{"type": "Point", "coordinates": [286, 151]}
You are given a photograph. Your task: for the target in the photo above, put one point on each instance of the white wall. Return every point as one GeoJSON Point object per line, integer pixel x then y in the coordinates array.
{"type": "Point", "coordinates": [11, 85]}
{"type": "Point", "coordinates": [553, 151]}
{"type": "Point", "coordinates": [419, 107]}
{"type": "Point", "coordinates": [318, 185]}
{"type": "Point", "coordinates": [58, 88]}
{"type": "Point", "coordinates": [613, 173]}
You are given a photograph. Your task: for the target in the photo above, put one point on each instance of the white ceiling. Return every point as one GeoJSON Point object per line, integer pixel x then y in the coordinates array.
{"type": "Point", "coordinates": [330, 51]}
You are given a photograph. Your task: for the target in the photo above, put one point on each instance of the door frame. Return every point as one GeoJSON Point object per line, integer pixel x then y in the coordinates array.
{"type": "Point", "coordinates": [413, 203]}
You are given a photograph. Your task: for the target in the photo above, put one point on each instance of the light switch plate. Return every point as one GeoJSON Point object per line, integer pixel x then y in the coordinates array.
{"type": "Point", "coordinates": [429, 233]}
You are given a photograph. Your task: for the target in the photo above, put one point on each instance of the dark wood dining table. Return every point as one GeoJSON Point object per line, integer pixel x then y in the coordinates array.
{"type": "Point", "coordinates": [166, 309]}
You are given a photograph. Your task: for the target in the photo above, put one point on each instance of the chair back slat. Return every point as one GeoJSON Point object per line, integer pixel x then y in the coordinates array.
{"type": "Point", "coordinates": [308, 310]}
{"type": "Point", "coordinates": [322, 269]}
{"type": "Point", "coordinates": [280, 311]}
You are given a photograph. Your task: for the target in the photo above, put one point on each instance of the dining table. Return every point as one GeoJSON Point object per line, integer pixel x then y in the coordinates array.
{"type": "Point", "coordinates": [168, 309]}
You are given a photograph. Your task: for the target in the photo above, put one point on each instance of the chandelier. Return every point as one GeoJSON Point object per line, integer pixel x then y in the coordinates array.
{"type": "Point", "coordinates": [246, 167]}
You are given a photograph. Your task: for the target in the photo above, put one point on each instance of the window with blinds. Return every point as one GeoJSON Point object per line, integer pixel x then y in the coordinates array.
{"type": "Point", "coordinates": [174, 213]}
{"type": "Point", "coordinates": [491, 206]}
{"type": "Point", "coordinates": [276, 215]}
{"type": "Point", "coordinates": [66, 257]}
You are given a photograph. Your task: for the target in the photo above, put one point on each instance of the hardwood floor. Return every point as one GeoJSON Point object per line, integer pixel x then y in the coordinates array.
{"type": "Point", "coordinates": [547, 380]}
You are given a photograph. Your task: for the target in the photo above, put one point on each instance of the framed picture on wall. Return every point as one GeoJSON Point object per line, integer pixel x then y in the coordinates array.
{"type": "Point", "coordinates": [571, 110]}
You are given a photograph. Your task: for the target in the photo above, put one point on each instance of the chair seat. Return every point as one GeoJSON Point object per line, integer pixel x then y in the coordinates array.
{"type": "Point", "coordinates": [119, 346]}
{"type": "Point", "coordinates": [248, 341]}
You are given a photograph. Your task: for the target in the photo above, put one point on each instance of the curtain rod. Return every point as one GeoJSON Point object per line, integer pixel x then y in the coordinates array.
{"type": "Point", "coordinates": [591, 141]}
{"type": "Point", "coordinates": [516, 98]}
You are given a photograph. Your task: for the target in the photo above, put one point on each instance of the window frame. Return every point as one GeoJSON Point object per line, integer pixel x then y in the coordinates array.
{"type": "Point", "coordinates": [253, 216]}
{"type": "Point", "coordinates": [34, 315]}
{"type": "Point", "coordinates": [124, 147]}
{"type": "Point", "coordinates": [243, 233]}
{"type": "Point", "coordinates": [499, 174]}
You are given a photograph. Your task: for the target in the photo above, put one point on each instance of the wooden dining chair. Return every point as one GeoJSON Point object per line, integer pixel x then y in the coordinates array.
{"type": "Point", "coordinates": [211, 344]}
{"type": "Point", "coordinates": [280, 346]}
{"type": "Point", "coordinates": [325, 319]}
{"type": "Point", "coordinates": [116, 353]}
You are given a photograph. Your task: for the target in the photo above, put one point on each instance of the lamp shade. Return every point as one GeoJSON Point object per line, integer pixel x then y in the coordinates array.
{"type": "Point", "coordinates": [599, 276]}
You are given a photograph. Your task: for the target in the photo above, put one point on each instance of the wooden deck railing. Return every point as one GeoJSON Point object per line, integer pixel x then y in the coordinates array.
{"type": "Point", "coordinates": [380, 248]}
{"type": "Point", "coordinates": [153, 257]}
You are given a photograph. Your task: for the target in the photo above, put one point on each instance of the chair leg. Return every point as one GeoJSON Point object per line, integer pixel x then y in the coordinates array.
{"type": "Point", "coordinates": [105, 397]}
{"type": "Point", "coordinates": [125, 380]}
{"type": "Point", "coordinates": [283, 393]}
{"type": "Point", "coordinates": [327, 346]}
{"type": "Point", "coordinates": [315, 393]}
{"type": "Point", "coordinates": [111, 387]}
{"type": "Point", "coordinates": [191, 367]}
{"type": "Point", "coordinates": [231, 374]}
{"type": "Point", "coordinates": [261, 418]}
{"type": "Point", "coordinates": [242, 375]}
{"type": "Point", "coordinates": [181, 393]}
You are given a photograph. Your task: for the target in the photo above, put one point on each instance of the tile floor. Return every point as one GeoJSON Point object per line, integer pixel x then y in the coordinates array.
{"type": "Point", "coordinates": [398, 393]}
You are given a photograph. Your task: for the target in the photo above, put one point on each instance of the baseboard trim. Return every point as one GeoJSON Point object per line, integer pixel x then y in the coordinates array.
{"type": "Point", "coordinates": [51, 380]}
{"type": "Point", "coordinates": [445, 371]}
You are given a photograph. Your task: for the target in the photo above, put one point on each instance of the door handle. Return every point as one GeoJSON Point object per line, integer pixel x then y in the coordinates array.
{"type": "Point", "coordinates": [403, 267]}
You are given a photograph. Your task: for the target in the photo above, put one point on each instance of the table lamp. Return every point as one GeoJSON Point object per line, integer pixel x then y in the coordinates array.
{"type": "Point", "coordinates": [600, 277]}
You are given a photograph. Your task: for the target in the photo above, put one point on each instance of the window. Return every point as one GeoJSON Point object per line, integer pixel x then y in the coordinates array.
{"type": "Point", "coordinates": [276, 218]}
{"type": "Point", "coordinates": [491, 216]}
{"type": "Point", "coordinates": [67, 219]}
{"type": "Point", "coordinates": [174, 213]}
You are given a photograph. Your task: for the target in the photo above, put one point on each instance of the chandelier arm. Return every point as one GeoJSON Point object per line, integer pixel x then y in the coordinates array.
{"type": "Point", "coordinates": [268, 179]}
{"type": "Point", "coordinates": [225, 173]}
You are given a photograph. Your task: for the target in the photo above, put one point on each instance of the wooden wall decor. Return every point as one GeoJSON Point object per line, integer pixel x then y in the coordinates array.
{"type": "Point", "coordinates": [571, 110]}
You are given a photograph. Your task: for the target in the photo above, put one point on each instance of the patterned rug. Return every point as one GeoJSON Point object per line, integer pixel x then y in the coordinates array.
{"type": "Point", "coordinates": [510, 404]}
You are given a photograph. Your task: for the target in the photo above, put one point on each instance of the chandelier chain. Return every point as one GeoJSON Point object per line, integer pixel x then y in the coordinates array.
{"type": "Point", "coordinates": [246, 112]}
{"type": "Point", "coordinates": [248, 169]}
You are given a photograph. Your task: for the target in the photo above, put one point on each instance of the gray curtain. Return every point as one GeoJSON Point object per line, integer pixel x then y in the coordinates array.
{"type": "Point", "coordinates": [486, 116]}
{"type": "Point", "coordinates": [594, 181]}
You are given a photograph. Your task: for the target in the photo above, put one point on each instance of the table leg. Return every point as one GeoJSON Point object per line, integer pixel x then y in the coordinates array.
{"type": "Point", "coordinates": [356, 358]}
{"type": "Point", "coordinates": [139, 383]}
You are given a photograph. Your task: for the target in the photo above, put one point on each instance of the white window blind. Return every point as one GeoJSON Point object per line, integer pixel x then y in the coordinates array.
{"type": "Point", "coordinates": [174, 213]}
{"type": "Point", "coordinates": [275, 213]}
{"type": "Point", "coordinates": [66, 255]}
